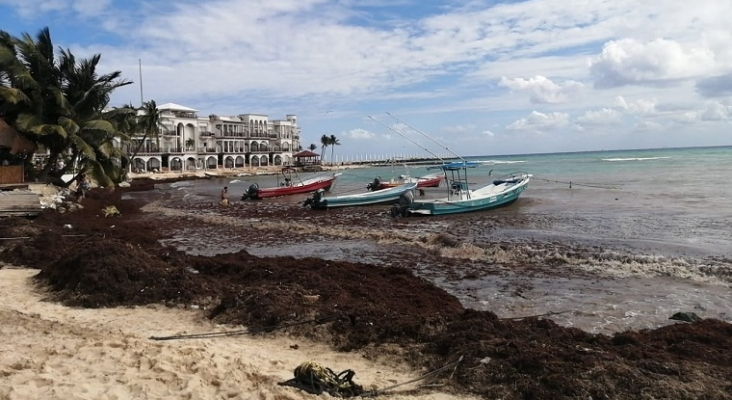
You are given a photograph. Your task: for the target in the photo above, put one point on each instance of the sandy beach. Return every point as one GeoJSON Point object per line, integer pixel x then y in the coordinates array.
{"type": "Point", "coordinates": [50, 351]}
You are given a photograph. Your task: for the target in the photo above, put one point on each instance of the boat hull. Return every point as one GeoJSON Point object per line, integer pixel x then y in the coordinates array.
{"type": "Point", "coordinates": [427, 182]}
{"type": "Point", "coordinates": [487, 198]}
{"type": "Point", "coordinates": [308, 187]}
{"type": "Point", "coordinates": [383, 196]}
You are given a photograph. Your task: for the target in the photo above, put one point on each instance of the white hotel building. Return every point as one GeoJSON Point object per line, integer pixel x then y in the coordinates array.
{"type": "Point", "coordinates": [187, 142]}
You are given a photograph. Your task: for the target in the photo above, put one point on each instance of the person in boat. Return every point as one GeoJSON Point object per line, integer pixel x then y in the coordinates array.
{"type": "Point", "coordinates": [224, 197]}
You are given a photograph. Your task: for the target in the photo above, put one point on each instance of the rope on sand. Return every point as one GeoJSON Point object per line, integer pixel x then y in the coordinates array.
{"type": "Point", "coordinates": [550, 313]}
{"type": "Point", "coordinates": [377, 392]}
{"type": "Point", "coordinates": [208, 335]}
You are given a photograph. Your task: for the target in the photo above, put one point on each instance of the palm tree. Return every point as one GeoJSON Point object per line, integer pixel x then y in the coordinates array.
{"type": "Point", "coordinates": [61, 105]}
{"type": "Point", "coordinates": [149, 123]}
{"type": "Point", "coordinates": [324, 142]}
{"type": "Point", "coordinates": [312, 146]}
{"type": "Point", "coordinates": [333, 142]}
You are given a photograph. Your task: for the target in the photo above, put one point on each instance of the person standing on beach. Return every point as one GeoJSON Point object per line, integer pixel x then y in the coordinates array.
{"type": "Point", "coordinates": [81, 187]}
{"type": "Point", "coordinates": [224, 199]}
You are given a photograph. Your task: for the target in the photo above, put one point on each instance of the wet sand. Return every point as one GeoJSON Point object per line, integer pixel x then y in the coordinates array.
{"type": "Point", "coordinates": [375, 279]}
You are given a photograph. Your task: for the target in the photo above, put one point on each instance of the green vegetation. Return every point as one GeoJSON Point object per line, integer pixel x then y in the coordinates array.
{"type": "Point", "coordinates": [60, 104]}
{"type": "Point", "coordinates": [326, 141]}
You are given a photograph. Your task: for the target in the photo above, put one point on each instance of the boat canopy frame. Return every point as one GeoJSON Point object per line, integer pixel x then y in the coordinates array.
{"type": "Point", "coordinates": [457, 181]}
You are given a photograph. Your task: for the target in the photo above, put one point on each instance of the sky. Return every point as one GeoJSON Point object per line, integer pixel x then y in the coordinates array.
{"type": "Point", "coordinates": [475, 77]}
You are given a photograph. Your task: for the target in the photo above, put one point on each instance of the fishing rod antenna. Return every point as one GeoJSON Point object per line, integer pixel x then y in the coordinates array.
{"type": "Point", "coordinates": [402, 135]}
{"type": "Point", "coordinates": [427, 136]}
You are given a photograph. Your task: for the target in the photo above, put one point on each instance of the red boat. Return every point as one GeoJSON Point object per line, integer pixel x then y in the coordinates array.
{"type": "Point", "coordinates": [289, 183]}
{"type": "Point", "coordinates": [422, 182]}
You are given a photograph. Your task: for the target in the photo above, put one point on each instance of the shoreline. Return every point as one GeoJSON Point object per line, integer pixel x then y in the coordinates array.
{"type": "Point", "coordinates": [230, 172]}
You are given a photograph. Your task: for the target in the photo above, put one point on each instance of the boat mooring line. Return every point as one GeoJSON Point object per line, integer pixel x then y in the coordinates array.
{"type": "Point", "coordinates": [571, 183]}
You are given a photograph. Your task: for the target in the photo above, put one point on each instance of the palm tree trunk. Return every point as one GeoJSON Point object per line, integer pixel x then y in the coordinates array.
{"type": "Point", "coordinates": [137, 150]}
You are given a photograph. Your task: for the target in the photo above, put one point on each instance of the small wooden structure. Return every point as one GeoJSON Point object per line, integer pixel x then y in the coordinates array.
{"type": "Point", "coordinates": [306, 158]}
{"type": "Point", "coordinates": [11, 174]}
{"type": "Point", "coordinates": [19, 203]}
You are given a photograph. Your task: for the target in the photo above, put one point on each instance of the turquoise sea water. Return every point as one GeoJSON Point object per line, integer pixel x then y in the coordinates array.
{"type": "Point", "coordinates": [655, 223]}
{"type": "Point", "coordinates": [679, 198]}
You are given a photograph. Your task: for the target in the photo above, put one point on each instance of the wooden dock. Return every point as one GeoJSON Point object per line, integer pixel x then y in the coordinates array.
{"type": "Point", "coordinates": [19, 203]}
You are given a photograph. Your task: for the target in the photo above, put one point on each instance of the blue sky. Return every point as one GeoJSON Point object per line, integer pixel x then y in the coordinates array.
{"type": "Point", "coordinates": [483, 77]}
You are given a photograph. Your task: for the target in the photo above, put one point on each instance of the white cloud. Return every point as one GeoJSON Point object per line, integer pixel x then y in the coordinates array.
{"type": "Point", "coordinates": [537, 121]}
{"type": "Point", "coordinates": [606, 116]}
{"type": "Point", "coordinates": [543, 90]}
{"type": "Point", "coordinates": [640, 106]}
{"type": "Point", "coordinates": [458, 129]}
{"type": "Point", "coordinates": [628, 61]}
{"type": "Point", "coordinates": [307, 56]}
{"type": "Point", "coordinates": [646, 125]}
{"type": "Point", "coordinates": [715, 112]}
{"type": "Point", "coordinates": [33, 8]}
{"type": "Point", "coordinates": [360, 134]}
{"type": "Point", "coordinates": [684, 117]}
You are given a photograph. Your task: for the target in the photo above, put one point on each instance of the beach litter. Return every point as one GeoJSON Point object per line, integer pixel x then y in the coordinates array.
{"type": "Point", "coordinates": [110, 211]}
{"type": "Point", "coordinates": [317, 379]}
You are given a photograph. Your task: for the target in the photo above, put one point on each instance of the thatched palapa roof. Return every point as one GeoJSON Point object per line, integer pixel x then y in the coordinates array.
{"type": "Point", "coordinates": [10, 138]}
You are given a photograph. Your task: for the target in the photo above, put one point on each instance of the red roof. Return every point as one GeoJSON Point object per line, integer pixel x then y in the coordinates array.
{"type": "Point", "coordinates": [306, 153]}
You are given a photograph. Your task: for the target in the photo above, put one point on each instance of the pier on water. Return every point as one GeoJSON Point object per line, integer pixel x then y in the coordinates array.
{"type": "Point", "coordinates": [389, 159]}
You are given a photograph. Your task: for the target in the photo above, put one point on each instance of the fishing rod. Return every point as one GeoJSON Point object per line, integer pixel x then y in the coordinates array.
{"type": "Point", "coordinates": [402, 135]}
{"type": "Point", "coordinates": [427, 136]}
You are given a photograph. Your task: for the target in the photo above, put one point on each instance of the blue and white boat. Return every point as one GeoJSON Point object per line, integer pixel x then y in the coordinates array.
{"type": "Point", "coordinates": [383, 196]}
{"type": "Point", "coordinates": [460, 198]}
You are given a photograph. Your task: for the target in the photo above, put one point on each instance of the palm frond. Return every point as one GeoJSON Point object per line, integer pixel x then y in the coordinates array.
{"type": "Point", "coordinates": [12, 95]}
{"type": "Point", "coordinates": [83, 147]}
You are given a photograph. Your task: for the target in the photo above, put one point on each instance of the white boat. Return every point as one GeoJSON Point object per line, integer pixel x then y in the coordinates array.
{"type": "Point", "coordinates": [383, 196]}
{"type": "Point", "coordinates": [461, 199]}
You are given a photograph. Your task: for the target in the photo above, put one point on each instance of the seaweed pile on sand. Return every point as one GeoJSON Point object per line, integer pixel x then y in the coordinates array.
{"type": "Point", "coordinates": [373, 310]}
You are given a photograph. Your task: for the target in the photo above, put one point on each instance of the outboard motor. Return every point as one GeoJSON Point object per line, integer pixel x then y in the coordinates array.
{"type": "Point", "coordinates": [399, 209]}
{"type": "Point", "coordinates": [316, 202]}
{"type": "Point", "coordinates": [251, 193]}
{"type": "Point", "coordinates": [375, 185]}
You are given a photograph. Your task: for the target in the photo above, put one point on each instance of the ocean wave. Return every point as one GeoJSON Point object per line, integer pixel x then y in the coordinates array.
{"type": "Point", "coordinates": [635, 159]}
{"type": "Point", "coordinates": [496, 162]}
{"type": "Point", "coordinates": [181, 184]}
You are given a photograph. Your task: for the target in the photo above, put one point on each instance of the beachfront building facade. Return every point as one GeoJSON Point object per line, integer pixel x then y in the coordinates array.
{"type": "Point", "coordinates": [187, 142]}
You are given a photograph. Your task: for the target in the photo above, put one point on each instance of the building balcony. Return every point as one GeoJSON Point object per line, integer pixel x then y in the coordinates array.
{"type": "Point", "coordinates": [184, 114]}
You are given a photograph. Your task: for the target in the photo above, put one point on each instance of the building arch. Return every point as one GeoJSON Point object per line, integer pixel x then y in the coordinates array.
{"type": "Point", "coordinates": [176, 164]}
{"type": "Point", "coordinates": [211, 162]}
{"type": "Point", "coordinates": [228, 162]}
{"type": "Point", "coordinates": [190, 163]}
{"type": "Point", "coordinates": [239, 162]}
